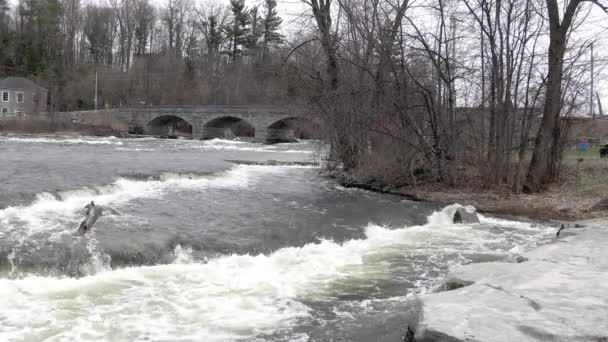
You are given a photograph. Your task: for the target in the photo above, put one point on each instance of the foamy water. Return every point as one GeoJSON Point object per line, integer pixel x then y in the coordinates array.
{"type": "Point", "coordinates": [324, 250]}
{"type": "Point", "coordinates": [210, 145]}
{"type": "Point", "coordinates": [57, 215]}
{"type": "Point", "coordinates": [65, 140]}
{"type": "Point", "coordinates": [229, 297]}
{"type": "Point", "coordinates": [235, 145]}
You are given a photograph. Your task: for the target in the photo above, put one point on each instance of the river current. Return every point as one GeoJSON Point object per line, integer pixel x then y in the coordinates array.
{"type": "Point", "coordinates": [208, 241]}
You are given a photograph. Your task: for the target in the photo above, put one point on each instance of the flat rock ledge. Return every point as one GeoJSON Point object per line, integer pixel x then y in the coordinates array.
{"type": "Point", "coordinates": [559, 294]}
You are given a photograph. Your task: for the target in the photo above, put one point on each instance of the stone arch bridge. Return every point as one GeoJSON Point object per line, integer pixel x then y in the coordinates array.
{"type": "Point", "coordinates": [264, 122]}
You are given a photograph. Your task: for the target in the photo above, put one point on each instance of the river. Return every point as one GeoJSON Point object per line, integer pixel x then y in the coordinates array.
{"type": "Point", "coordinates": [194, 246]}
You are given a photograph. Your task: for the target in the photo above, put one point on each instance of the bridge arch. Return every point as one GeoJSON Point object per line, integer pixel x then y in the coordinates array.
{"type": "Point", "coordinates": [292, 128]}
{"type": "Point", "coordinates": [228, 127]}
{"type": "Point", "coordinates": [170, 126]}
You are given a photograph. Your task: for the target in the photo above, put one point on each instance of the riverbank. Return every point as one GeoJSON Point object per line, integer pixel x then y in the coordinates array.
{"type": "Point", "coordinates": [557, 294]}
{"type": "Point", "coordinates": [53, 125]}
{"type": "Point", "coordinates": [582, 194]}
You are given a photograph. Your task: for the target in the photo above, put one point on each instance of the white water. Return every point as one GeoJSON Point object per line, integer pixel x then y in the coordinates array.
{"type": "Point", "coordinates": [234, 145]}
{"type": "Point", "coordinates": [57, 216]}
{"type": "Point", "coordinates": [208, 145]}
{"type": "Point", "coordinates": [50, 211]}
{"type": "Point", "coordinates": [65, 140]}
{"type": "Point", "coordinates": [226, 298]}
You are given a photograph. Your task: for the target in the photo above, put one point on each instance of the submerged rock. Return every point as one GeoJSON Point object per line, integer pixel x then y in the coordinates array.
{"type": "Point", "coordinates": [465, 215]}
{"type": "Point", "coordinates": [520, 259]}
{"type": "Point", "coordinates": [453, 284]}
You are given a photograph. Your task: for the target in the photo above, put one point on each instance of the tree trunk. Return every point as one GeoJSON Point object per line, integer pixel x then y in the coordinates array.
{"type": "Point", "coordinates": [543, 167]}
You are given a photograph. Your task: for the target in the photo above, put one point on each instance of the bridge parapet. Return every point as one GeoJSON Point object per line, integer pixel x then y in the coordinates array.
{"type": "Point", "coordinates": [139, 119]}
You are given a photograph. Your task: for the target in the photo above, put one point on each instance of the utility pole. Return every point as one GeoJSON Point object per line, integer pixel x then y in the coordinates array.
{"type": "Point", "coordinates": [599, 104]}
{"type": "Point", "coordinates": [592, 92]}
{"type": "Point", "coordinates": [95, 89]}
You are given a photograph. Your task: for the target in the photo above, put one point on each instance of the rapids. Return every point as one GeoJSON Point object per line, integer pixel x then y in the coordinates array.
{"type": "Point", "coordinates": [197, 248]}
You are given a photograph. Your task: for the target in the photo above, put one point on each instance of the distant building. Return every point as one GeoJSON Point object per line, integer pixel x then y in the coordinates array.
{"type": "Point", "coordinates": [20, 96]}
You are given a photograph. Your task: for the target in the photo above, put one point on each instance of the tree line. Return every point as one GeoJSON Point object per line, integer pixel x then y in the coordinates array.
{"type": "Point", "coordinates": [178, 52]}
{"type": "Point", "coordinates": [455, 91]}
{"type": "Point", "coordinates": [446, 91]}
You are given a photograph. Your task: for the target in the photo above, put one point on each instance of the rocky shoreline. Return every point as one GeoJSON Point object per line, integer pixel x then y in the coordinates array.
{"type": "Point", "coordinates": [558, 293]}
{"type": "Point", "coordinates": [554, 204]}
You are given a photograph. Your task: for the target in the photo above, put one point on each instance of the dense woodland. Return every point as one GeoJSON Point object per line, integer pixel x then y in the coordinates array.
{"type": "Point", "coordinates": [178, 53]}
{"type": "Point", "coordinates": [408, 92]}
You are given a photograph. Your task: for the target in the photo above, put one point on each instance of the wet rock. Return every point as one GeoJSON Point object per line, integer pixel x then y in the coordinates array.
{"type": "Point", "coordinates": [454, 284]}
{"type": "Point", "coordinates": [559, 294]}
{"type": "Point", "coordinates": [381, 321]}
{"type": "Point", "coordinates": [93, 213]}
{"type": "Point", "coordinates": [465, 215]}
{"type": "Point", "coordinates": [519, 259]}
{"type": "Point", "coordinates": [409, 335]}
{"type": "Point", "coordinates": [429, 335]}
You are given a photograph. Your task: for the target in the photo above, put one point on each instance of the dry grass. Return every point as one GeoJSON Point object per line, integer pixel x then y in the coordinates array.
{"type": "Point", "coordinates": [582, 186]}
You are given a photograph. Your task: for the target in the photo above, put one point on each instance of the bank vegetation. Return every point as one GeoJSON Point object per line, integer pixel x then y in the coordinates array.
{"type": "Point", "coordinates": [447, 92]}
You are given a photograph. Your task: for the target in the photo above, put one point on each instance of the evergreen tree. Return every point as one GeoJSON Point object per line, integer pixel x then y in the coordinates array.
{"type": "Point", "coordinates": [239, 30]}
{"type": "Point", "coordinates": [5, 33]}
{"type": "Point", "coordinates": [255, 33]}
{"type": "Point", "coordinates": [3, 12]}
{"type": "Point", "coordinates": [40, 35]}
{"type": "Point", "coordinates": [272, 23]}
{"type": "Point", "coordinates": [213, 37]}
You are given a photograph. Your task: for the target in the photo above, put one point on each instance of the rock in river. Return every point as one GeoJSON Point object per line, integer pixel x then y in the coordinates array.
{"type": "Point", "coordinates": [559, 294]}
{"type": "Point", "coordinates": [465, 215]}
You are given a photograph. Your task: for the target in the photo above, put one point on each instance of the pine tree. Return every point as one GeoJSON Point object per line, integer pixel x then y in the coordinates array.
{"type": "Point", "coordinates": [3, 11]}
{"type": "Point", "coordinates": [5, 32]}
{"type": "Point", "coordinates": [255, 33]}
{"type": "Point", "coordinates": [272, 23]}
{"type": "Point", "coordinates": [213, 38]}
{"type": "Point", "coordinates": [239, 30]}
{"type": "Point", "coordinates": [40, 34]}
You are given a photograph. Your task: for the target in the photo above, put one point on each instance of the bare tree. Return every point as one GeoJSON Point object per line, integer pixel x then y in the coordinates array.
{"type": "Point", "coordinates": [174, 17]}
{"type": "Point", "coordinates": [546, 159]}
{"type": "Point", "coordinates": [321, 11]}
{"type": "Point", "coordinates": [124, 11]}
{"type": "Point", "coordinates": [71, 23]}
{"type": "Point", "coordinates": [144, 17]}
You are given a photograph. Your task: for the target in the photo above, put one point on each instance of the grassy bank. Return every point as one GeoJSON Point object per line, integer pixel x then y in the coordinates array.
{"type": "Point", "coordinates": [583, 185]}
{"type": "Point", "coordinates": [593, 152]}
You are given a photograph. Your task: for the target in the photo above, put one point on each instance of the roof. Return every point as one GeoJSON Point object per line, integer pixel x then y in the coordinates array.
{"type": "Point", "coordinates": [19, 83]}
